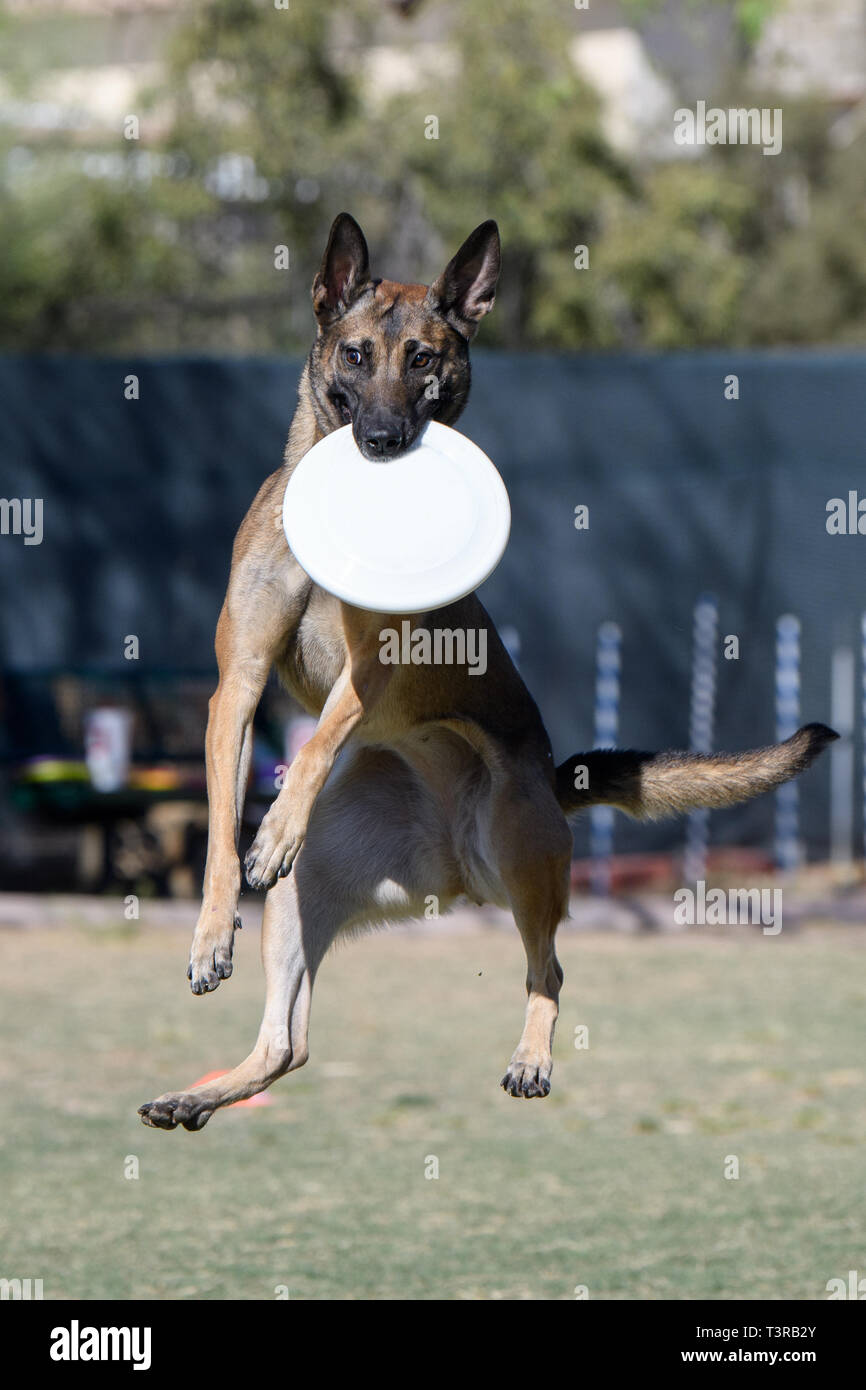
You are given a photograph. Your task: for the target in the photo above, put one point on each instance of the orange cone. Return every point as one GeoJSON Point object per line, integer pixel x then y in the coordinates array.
{"type": "Point", "coordinates": [261, 1099]}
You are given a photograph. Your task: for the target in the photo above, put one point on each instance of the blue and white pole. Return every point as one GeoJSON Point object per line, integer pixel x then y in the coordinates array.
{"type": "Point", "coordinates": [701, 724]}
{"type": "Point", "coordinates": [788, 851]}
{"type": "Point", "coordinates": [842, 775]}
{"type": "Point", "coordinates": [601, 818]}
{"type": "Point", "coordinates": [863, 719]}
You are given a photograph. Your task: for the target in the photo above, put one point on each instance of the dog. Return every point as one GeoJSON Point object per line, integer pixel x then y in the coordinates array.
{"type": "Point", "coordinates": [447, 785]}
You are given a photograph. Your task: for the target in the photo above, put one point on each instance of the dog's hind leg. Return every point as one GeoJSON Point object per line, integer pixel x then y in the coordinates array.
{"type": "Point", "coordinates": [534, 850]}
{"type": "Point", "coordinates": [375, 850]}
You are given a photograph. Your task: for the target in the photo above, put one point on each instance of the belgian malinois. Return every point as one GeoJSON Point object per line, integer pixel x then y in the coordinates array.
{"type": "Point", "coordinates": [447, 784]}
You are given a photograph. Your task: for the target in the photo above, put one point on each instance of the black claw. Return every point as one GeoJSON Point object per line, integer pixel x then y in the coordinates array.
{"type": "Point", "coordinates": [525, 1090]}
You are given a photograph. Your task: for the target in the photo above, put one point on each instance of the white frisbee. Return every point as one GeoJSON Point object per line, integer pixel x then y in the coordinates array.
{"type": "Point", "coordinates": [402, 536]}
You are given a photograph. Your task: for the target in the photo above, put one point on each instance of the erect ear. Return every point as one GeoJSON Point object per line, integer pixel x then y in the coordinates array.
{"type": "Point", "coordinates": [344, 272]}
{"type": "Point", "coordinates": [466, 289]}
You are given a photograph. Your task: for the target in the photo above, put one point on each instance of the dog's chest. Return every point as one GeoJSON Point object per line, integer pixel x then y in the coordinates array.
{"type": "Point", "coordinates": [315, 654]}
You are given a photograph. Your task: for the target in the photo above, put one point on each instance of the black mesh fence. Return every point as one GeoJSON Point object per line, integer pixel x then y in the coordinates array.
{"type": "Point", "coordinates": [688, 492]}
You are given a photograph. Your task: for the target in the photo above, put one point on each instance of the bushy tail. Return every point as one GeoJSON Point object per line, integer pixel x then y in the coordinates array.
{"type": "Point", "coordinates": [652, 785]}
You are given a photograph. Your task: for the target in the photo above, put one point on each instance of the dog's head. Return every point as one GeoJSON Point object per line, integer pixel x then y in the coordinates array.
{"type": "Point", "coordinates": [389, 357]}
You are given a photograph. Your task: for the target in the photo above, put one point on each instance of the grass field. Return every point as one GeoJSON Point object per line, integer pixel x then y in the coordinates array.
{"type": "Point", "coordinates": [701, 1047]}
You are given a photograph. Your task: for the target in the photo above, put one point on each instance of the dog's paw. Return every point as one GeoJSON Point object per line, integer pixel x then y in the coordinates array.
{"type": "Point", "coordinates": [526, 1081]}
{"type": "Point", "coordinates": [188, 1108]}
{"type": "Point", "coordinates": [272, 854]}
{"type": "Point", "coordinates": [210, 958]}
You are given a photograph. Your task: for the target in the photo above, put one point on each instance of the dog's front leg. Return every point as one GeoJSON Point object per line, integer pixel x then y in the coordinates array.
{"type": "Point", "coordinates": [284, 827]}
{"type": "Point", "coordinates": [245, 652]}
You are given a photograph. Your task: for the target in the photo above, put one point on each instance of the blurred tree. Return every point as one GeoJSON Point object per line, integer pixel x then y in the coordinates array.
{"type": "Point", "coordinates": [270, 121]}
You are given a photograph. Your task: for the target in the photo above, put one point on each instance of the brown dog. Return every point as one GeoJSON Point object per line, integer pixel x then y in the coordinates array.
{"type": "Point", "coordinates": [447, 785]}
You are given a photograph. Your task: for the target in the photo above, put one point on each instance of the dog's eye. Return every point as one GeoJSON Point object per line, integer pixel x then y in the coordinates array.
{"type": "Point", "coordinates": [353, 357]}
{"type": "Point", "coordinates": [422, 359]}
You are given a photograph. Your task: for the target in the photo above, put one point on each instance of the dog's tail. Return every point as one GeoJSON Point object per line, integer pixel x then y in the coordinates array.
{"type": "Point", "coordinates": [652, 785]}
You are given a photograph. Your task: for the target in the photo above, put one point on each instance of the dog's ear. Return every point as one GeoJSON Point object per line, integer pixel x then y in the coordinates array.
{"type": "Point", "coordinates": [344, 272]}
{"type": "Point", "coordinates": [466, 289]}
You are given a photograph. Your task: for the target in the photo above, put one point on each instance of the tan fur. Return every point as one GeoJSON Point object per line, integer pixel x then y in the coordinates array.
{"type": "Point", "coordinates": [653, 785]}
{"type": "Point", "coordinates": [446, 785]}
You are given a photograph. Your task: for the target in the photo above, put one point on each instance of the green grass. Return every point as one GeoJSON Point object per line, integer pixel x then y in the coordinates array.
{"type": "Point", "coordinates": [700, 1047]}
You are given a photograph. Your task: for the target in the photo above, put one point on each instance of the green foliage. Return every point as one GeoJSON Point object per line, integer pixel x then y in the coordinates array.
{"type": "Point", "coordinates": [268, 122]}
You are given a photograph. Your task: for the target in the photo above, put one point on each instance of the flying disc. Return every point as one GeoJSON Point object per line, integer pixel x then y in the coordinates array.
{"type": "Point", "coordinates": [403, 536]}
